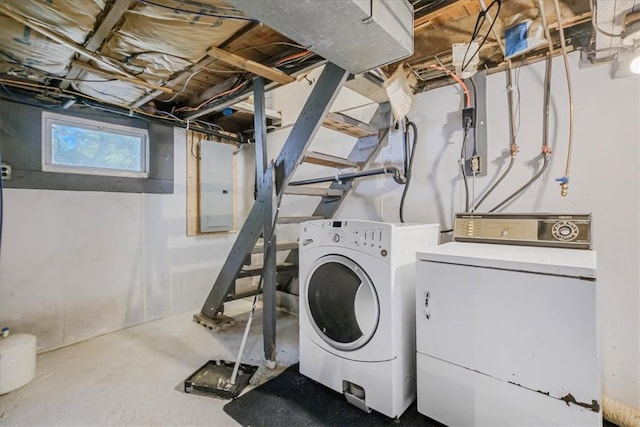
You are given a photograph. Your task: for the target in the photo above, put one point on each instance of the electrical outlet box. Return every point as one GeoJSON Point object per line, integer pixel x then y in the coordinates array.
{"type": "Point", "coordinates": [6, 171]}
{"type": "Point", "coordinates": [469, 116]}
{"type": "Point", "coordinates": [467, 56]}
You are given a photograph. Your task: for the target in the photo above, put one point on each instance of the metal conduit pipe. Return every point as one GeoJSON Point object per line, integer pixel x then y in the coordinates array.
{"type": "Point", "coordinates": [394, 171]}
{"type": "Point", "coordinates": [545, 164]}
{"type": "Point", "coordinates": [545, 135]}
{"type": "Point", "coordinates": [546, 151]}
{"type": "Point", "coordinates": [513, 145]}
{"type": "Point", "coordinates": [510, 89]}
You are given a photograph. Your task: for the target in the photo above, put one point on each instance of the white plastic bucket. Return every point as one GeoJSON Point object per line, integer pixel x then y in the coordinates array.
{"type": "Point", "coordinates": [17, 361]}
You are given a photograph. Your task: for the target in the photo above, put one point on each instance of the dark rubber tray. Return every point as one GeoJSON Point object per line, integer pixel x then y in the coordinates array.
{"type": "Point", "coordinates": [212, 379]}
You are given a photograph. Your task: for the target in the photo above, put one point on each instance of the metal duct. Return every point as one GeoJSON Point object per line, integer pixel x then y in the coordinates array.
{"type": "Point", "coordinates": [356, 35]}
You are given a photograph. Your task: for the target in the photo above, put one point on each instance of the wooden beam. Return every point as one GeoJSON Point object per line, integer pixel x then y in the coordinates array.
{"type": "Point", "coordinates": [63, 40]}
{"type": "Point", "coordinates": [86, 67]}
{"type": "Point", "coordinates": [571, 21]}
{"type": "Point", "coordinates": [272, 74]}
{"type": "Point", "coordinates": [112, 18]}
{"type": "Point", "coordinates": [426, 19]}
{"type": "Point", "coordinates": [203, 63]}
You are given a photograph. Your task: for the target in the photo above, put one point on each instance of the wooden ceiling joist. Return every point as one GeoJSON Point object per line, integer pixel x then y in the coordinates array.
{"type": "Point", "coordinates": [454, 10]}
{"type": "Point", "coordinates": [111, 19]}
{"type": "Point", "coordinates": [86, 67]}
{"type": "Point", "coordinates": [81, 50]}
{"type": "Point", "coordinates": [256, 68]}
{"type": "Point", "coordinates": [183, 76]}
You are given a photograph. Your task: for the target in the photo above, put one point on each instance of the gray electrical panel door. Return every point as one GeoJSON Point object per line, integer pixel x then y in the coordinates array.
{"type": "Point", "coordinates": [216, 186]}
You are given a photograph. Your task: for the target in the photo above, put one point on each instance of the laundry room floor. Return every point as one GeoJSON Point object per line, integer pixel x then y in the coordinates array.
{"type": "Point", "coordinates": [135, 376]}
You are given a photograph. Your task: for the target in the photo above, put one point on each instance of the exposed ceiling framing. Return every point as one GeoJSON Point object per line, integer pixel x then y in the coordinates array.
{"type": "Point", "coordinates": [182, 60]}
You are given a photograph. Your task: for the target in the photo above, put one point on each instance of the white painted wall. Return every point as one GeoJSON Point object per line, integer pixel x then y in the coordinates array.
{"type": "Point", "coordinates": [75, 265]}
{"type": "Point", "coordinates": [605, 180]}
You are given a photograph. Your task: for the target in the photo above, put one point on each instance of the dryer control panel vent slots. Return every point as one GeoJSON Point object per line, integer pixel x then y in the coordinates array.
{"type": "Point", "coordinates": [550, 230]}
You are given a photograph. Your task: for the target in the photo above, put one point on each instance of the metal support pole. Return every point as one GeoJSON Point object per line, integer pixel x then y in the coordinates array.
{"type": "Point", "coordinates": [260, 127]}
{"type": "Point", "coordinates": [265, 189]}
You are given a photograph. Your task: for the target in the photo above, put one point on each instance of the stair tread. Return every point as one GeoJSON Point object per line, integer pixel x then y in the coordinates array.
{"type": "Point", "coordinates": [313, 191]}
{"type": "Point", "coordinates": [297, 219]}
{"type": "Point", "coordinates": [369, 87]}
{"type": "Point", "coordinates": [280, 246]}
{"type": "Point", "coordinates": [328, 160]}
{"type": "Point", "coordinates": [348, 125]}
{"type": "Point", "coordinates": [256, 270]}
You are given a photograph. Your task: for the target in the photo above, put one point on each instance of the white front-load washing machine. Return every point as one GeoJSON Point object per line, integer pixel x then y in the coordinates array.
{"type": "Point", "coordinates": [357, 315]}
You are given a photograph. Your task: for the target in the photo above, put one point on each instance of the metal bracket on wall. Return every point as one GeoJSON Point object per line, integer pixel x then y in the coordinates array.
{"type": "Point", "coordinates": [480, 129]}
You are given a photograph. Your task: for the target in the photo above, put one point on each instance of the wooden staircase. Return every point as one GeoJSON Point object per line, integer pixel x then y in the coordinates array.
{"type": "Point", "coordinates": [273, 184]}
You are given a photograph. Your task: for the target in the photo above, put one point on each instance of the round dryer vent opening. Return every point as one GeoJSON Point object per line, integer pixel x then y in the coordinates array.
{"type": "Point", "coordinates": [342, 303]}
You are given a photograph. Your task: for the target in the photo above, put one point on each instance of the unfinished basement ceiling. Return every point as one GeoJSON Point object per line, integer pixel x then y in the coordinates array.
{"type": "Point", "coordinates": [158, 58]}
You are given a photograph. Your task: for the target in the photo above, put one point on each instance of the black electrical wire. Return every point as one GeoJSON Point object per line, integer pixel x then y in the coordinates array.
{"type": "Point", "coordinates": [1, 205]}
{"type": "Point", "coordinates": [409, 167]}
{"type": "Point", "coordinates": [475, 109]}
{"type": "Point", "coordinates": [479, 23]}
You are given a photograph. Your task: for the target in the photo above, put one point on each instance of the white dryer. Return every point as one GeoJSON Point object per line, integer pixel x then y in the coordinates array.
{"type": "Point", "coordinates": [507, 335]}
{"type": "Point", "coordinates": [357, 317]}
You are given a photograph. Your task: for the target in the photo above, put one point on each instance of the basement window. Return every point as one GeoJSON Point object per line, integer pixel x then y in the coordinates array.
{"type": "Point", "coordinates": [82, 146]}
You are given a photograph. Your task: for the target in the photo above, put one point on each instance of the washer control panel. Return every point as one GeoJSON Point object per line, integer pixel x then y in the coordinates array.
{"type": "Point", "coordinates": [552, 230]}
{"type": "Point", "coordinates": [370, 237]}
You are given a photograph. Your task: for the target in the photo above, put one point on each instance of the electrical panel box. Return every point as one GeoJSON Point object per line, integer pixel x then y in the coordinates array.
{"type": "Point", "coordinates": [216, 187]}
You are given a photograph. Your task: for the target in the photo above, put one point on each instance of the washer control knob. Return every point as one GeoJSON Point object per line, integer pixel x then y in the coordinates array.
{"type": "Point", "coordinates": [336, 238]}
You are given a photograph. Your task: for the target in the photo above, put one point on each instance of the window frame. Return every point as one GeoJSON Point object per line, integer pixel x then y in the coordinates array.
{"type": "Point", "coordinates": [49, 119]}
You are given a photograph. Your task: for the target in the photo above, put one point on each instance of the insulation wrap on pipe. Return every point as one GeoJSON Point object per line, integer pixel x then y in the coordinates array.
{"type": "Point", "coordinates": [620, 413]}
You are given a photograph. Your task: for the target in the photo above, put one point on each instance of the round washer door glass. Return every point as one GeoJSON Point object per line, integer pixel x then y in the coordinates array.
{"type": "Point", "coordinates": [342, 302]}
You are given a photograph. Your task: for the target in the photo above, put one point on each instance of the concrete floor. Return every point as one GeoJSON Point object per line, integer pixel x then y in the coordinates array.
{"type": "Point", "coordinates": [135, 376]}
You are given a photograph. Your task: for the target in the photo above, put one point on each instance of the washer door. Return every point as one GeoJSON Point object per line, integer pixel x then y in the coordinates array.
{"type": "Point", "coordinates": [342, 302]}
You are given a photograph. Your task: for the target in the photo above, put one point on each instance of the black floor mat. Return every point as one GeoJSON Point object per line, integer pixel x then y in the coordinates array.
{"type": "Point", "coordinates": [291, 399]}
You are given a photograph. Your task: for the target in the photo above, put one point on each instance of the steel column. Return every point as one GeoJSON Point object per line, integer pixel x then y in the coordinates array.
{"type": "Point", "coordinates": [260, 128]}
{"type": "Point", "coordinates": [265, 189]}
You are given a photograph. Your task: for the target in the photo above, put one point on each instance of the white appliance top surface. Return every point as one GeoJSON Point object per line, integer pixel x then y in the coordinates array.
{"type": "Point", "coordinates": [565, 262]}
{"type": "Point", "coordinates": [362, 222]}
